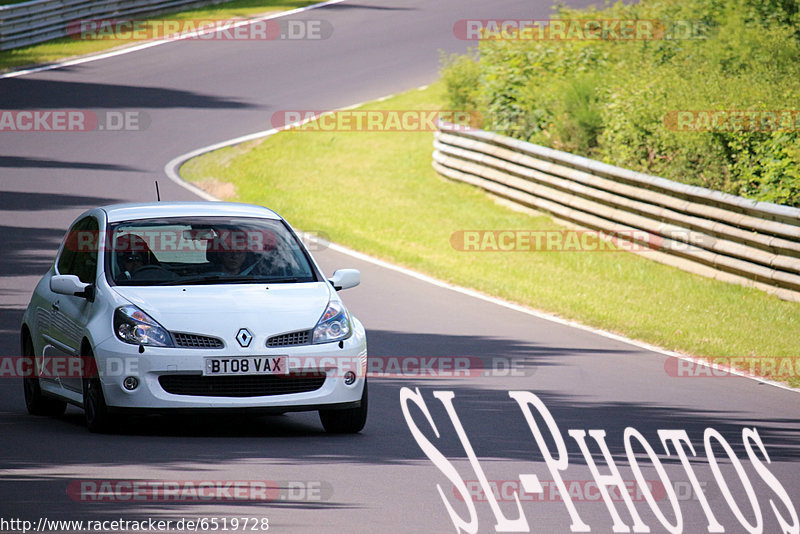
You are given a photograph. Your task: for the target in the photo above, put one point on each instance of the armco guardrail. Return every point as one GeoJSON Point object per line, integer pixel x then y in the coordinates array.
{"type": "Point", "coordinates": [41, 20]}
{"type": "Point", "coordinates": [706, 232]}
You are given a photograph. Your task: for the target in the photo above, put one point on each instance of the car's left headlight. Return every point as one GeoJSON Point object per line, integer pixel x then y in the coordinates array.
{"type": "Point", "coordinates": [334, 325]}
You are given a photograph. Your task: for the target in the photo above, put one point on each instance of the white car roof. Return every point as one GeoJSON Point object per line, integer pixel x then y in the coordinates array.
{"type": "Point", "coordinates": [157, 210]}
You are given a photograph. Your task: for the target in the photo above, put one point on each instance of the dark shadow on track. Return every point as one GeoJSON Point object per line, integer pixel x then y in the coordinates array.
{"type": "Point", "coordinates": [390, 343]}
{"type": "Point", "coordinates": [371, 8]}
{"type": "Point", "coordinates": [18, 162]}
{"type": "Point", "coordinates": [28, 201]}
{"type": "Point", "coordinates": [34, 93]}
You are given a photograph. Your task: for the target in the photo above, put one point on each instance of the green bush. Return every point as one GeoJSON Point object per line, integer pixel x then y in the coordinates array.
{"type": "Point", "coordinates": [612, 100]}
{"type": "Point", "coordinates": [462, 81]}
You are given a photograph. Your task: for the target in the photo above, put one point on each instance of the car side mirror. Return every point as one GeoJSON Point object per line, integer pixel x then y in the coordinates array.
{"type": "Point", "coordinates": [345, 279]}
{"type": "Point", "coordinates": [69, 284]}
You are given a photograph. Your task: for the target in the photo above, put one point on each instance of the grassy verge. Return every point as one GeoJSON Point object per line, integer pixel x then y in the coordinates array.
{"type": "Point", "coordinates": [376, 192]}
{"type": "Point", "coordinates": [67, 47]}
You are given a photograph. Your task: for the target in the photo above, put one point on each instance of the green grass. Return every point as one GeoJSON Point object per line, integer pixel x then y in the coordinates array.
{"type": "Point", "coordinates": [67, 47]}
{"type": "Point", "coordinates": [377, 193]}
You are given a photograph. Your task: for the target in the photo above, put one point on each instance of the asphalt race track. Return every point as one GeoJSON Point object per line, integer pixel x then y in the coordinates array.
{"type": "Point", "coordinates": [196, 93]}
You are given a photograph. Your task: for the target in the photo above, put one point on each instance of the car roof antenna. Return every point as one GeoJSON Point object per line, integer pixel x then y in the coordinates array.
{"type": "Point", "coordinates": [158, 194]}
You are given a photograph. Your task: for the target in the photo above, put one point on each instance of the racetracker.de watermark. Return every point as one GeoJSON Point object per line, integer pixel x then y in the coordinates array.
{"type": "Point", "coordinates": [73, 120]}
{"type": "Point", "coordinates": [170, 241]}
{"type": "Point", "coordinates": [578, 30]}
{"type": "Point", "coordinates": [722, 120]}
{"type": "Point", "coordinates": [376, 120]}
{"type": "Point", "coordinates": [199, 490]}
{"type": "Point", "coordinates": [200, 29]}
{"type": "Point", "coordinates": [553, 241]}
{"type": "Point", "coordinates": [776, 368]}
{"type": "Point", "coordinates": [411, 366]}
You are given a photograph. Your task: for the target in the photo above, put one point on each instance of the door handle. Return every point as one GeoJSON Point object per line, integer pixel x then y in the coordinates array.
{"type": "Point", "coordinates": [55, 306]}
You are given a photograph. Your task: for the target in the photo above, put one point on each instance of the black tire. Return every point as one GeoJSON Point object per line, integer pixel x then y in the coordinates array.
{"type": "Point", "coordinates": [95, 410]}
{"type": "Point", "coordinates": [35, 401]}
{"type": "Point", "coordinates": [348, 421]}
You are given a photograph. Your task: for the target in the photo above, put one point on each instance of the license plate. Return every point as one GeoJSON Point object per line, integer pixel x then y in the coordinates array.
{"type": "Point", "coordinates": [246, 365]}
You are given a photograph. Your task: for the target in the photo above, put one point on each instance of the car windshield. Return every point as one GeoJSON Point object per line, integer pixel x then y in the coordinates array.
{"type": "Point", "coordinates": [205, 250]}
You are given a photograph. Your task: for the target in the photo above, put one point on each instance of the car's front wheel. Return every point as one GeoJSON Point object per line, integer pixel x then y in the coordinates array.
{"type": "Point", "coordinates": [348, 421]}
{"type": "Point", "coordinates": [94, 404]}
{"type": "Point", "coordinates": [35, 401]}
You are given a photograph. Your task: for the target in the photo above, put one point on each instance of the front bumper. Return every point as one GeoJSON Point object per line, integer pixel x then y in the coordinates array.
{"type": "Point", "coordinates": [328, 362]}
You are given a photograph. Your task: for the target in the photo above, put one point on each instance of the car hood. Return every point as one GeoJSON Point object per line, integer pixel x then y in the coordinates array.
{"type": "Point", "coordinates": [221, 310]}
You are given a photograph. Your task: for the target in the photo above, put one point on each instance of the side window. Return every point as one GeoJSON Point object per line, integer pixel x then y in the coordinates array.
{"type": "Point", "coordinates": [79, 255]}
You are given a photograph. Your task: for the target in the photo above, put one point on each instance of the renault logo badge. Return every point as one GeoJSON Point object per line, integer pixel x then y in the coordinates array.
{"type": "Point", "coordinates": [244, 337]}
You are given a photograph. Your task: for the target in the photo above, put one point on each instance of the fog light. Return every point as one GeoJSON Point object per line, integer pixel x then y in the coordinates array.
{"type": "Point", "coordinates": [130, 383]}
{"type": "Point", "coordinates": [349, 378]}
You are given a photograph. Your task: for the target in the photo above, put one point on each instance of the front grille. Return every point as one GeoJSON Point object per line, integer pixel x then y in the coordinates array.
{"type": "Point", "coordinates": [240, 386]}
{"type": "Point", "coordinates": [195, 341]}
{"type": "Point", "coordinates": [290, 339]}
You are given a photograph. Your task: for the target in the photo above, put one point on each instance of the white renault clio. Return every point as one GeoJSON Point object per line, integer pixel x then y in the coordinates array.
{"type": "Point", "coordinates": [178, 306]}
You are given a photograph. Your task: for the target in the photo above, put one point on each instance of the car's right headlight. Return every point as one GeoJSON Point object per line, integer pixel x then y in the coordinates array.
{"type": "Point", "coordinates": [134, 326]}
